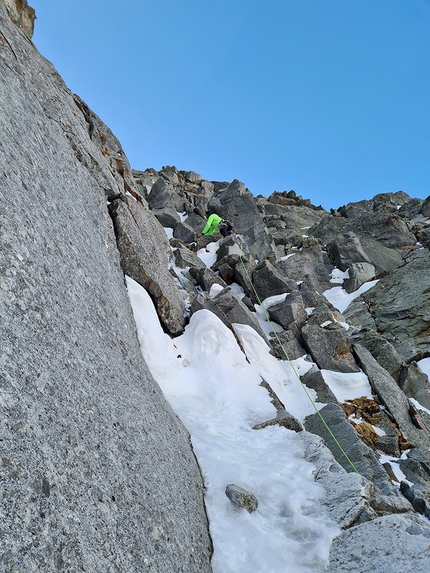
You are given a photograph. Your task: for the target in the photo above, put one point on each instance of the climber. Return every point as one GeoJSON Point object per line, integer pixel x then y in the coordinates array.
{"type": "Point", "coordinates": [226, 228]}
{"type": "Point", "coordinates": [212, 224]}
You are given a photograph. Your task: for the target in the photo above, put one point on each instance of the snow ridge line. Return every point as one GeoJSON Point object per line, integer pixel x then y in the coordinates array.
{"type": "Point", "coordinates": [290, 363]}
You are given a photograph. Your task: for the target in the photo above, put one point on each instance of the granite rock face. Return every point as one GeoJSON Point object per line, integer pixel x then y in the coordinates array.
{"type": "Point", "coordinates": [97, 472]}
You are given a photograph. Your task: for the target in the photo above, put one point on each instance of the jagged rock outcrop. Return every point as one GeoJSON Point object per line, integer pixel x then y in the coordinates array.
{"type": "Point", "coordinates": [235, 310]}
{"type": "Point", "coordinates": [415, 384]}
{"type": "Point", "coordinates": [97, 472]}
{"type": "Point", "coordinates": [392, 396]}
{"type": "Point", "coordinates": [377, 221]}
{"type": "Point", "coordinates": [362, 457]}
{"type": "Point", "coordinates": [400, 306]}
{"type": "Point", "coordinates": [145, 257]}
{"type": "Point", "coordinates": [329, 346]}
{"type": "Point", "coordinates": [21, 14]}
{"type": "Point", "coordinates": [309, 264]}
{"type": "Point", "coordinates": [235, 203]}
{"type": "Point", "coordinates": [355, 249]}
{"type": "Point", "coordinates": [416, 468]}
{"type": "Point", "coordinates": [268, 281]}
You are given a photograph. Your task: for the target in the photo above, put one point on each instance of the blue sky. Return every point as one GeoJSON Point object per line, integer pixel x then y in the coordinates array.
{"type": "Point", "coordinates": [326, 97]}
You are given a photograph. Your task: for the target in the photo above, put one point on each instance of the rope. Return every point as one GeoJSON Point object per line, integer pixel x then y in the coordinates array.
{"type": "Point", "coordinates": [291, 364]}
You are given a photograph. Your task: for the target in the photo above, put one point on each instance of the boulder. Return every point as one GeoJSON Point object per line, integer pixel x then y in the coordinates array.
{"type": "Point", "coordinates": [361, 456]}
{"type": "Point", "coordinates": [312, 261]}
{"type": "Point", "coordinates": [207, 277]}
{"type": "Point", "coordinates": [241, 497]}
{"type": "Point", "coordinates": [268, 281]}
{"type": "Point", "coordinates": [203, 301]}
{"type": "Point", "coordinates": [415, 384]}
{"type": "Point", "coordinates": [390, 543]}
{"type": "Point", "coordinates": [184, 232]}
{"type": "Point", "coordinates": [418, 496]}
{"type": "Point", "coordinates": [416, 468]}
{"type": "Point", "coordinates": [311, 292]}
{"type": "Point", "coordinates": [236, 311]}
{"type": "Point", "coordinates": [330, 347]}
{"type": "Point", "coordinates": [388, 443]}
{"type": "Point", "coordinates": [346, 250]}
{"type": "Point", "coordinates": [192, 177]}
{"type": "Point", "coordinates": [242, 275]}
{"type": "Point", "coordinates": [236, 204]}
{"type": "Point", "coordinates": [229, 246]}
{"type": "Point", "coordinates": [359, 273]}
{"type": "Point", "coordinates": [290, 310]}
{"type": "Point", "coordinates": [226, 273]}
{"type": "Point", "coordinates": [321, 314]}
{"type": "Point", "coordinates": [391, 396]}
{"type": "Point", "coordinates": [143, 247]}
{"type": "Point", "coordinates": [425, 207]}
{"type": "Point", "coordinates": [350, 499]}
{"type": "Point", "coordinates": [410, 209]}
{"type": "Point", "coordinates": [400, 305]}
{"type": "Point", "coordinates": [167, 217]}
{"type": "Point", "coordinates": [145, 180]}
{"type": "Point", "coordinates": [423, 237]}
{"type": "Point", "coordinates": [380, 348]}
{"type": "Point", "coordinates": [314, 379]}
{"type": "Point", "coordinates": [357, 314]}
{"type": "Point", "coordinates": [289, 343]}
{"type": "Point", "coordinates": [161, 195]}
{"type": "Point", "coordinates": [184, 258]}
{"type": "Point", "coordinates": [235, 262]}
{"type": "Point", "coordinates": [209, 187]}
{"type": "Point", "coordinates": [394, 233]}
{"type": "Point", "coordinates": [283, 419]}
{"type": "Point", "coordinates": [196, 222]}
{"type": "Point", "coordinates": [170, 174]}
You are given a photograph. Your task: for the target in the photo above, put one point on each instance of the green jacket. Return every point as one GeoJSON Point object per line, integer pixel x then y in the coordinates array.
{"type": "Point", "coordinates": [212, 225]}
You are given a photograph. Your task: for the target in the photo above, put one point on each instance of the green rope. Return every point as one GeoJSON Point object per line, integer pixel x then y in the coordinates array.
{"type": "Point", "coordinates": [292, 365]}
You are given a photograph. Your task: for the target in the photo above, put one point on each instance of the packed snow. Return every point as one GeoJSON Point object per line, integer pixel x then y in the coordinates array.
{"type": "Point", "coordinates": [340, 299]}
{"type": "Point", "coordinates": [208, 254]}
{"type": "Point", "coordinates": [215, 390]}
{"type": "Point", "coordinates": [347, 386]}
{"type": "Point", "coordinates": [214, 386]}
{"type": "Point", "coordinates": [424, 365]}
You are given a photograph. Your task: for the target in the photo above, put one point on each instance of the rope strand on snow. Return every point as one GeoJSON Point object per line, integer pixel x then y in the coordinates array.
{"type": "Point", "coordinates": [289, 361]}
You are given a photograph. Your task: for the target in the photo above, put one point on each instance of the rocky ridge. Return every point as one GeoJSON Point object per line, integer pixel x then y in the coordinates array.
{"type": "Point", "coordinates": [97, 472]}
{"type": "Point", "coordinates": [288, 246]}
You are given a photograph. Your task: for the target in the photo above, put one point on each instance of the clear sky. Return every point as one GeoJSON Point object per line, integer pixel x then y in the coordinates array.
{"type": "Point", "coordinates": [330, 98]}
